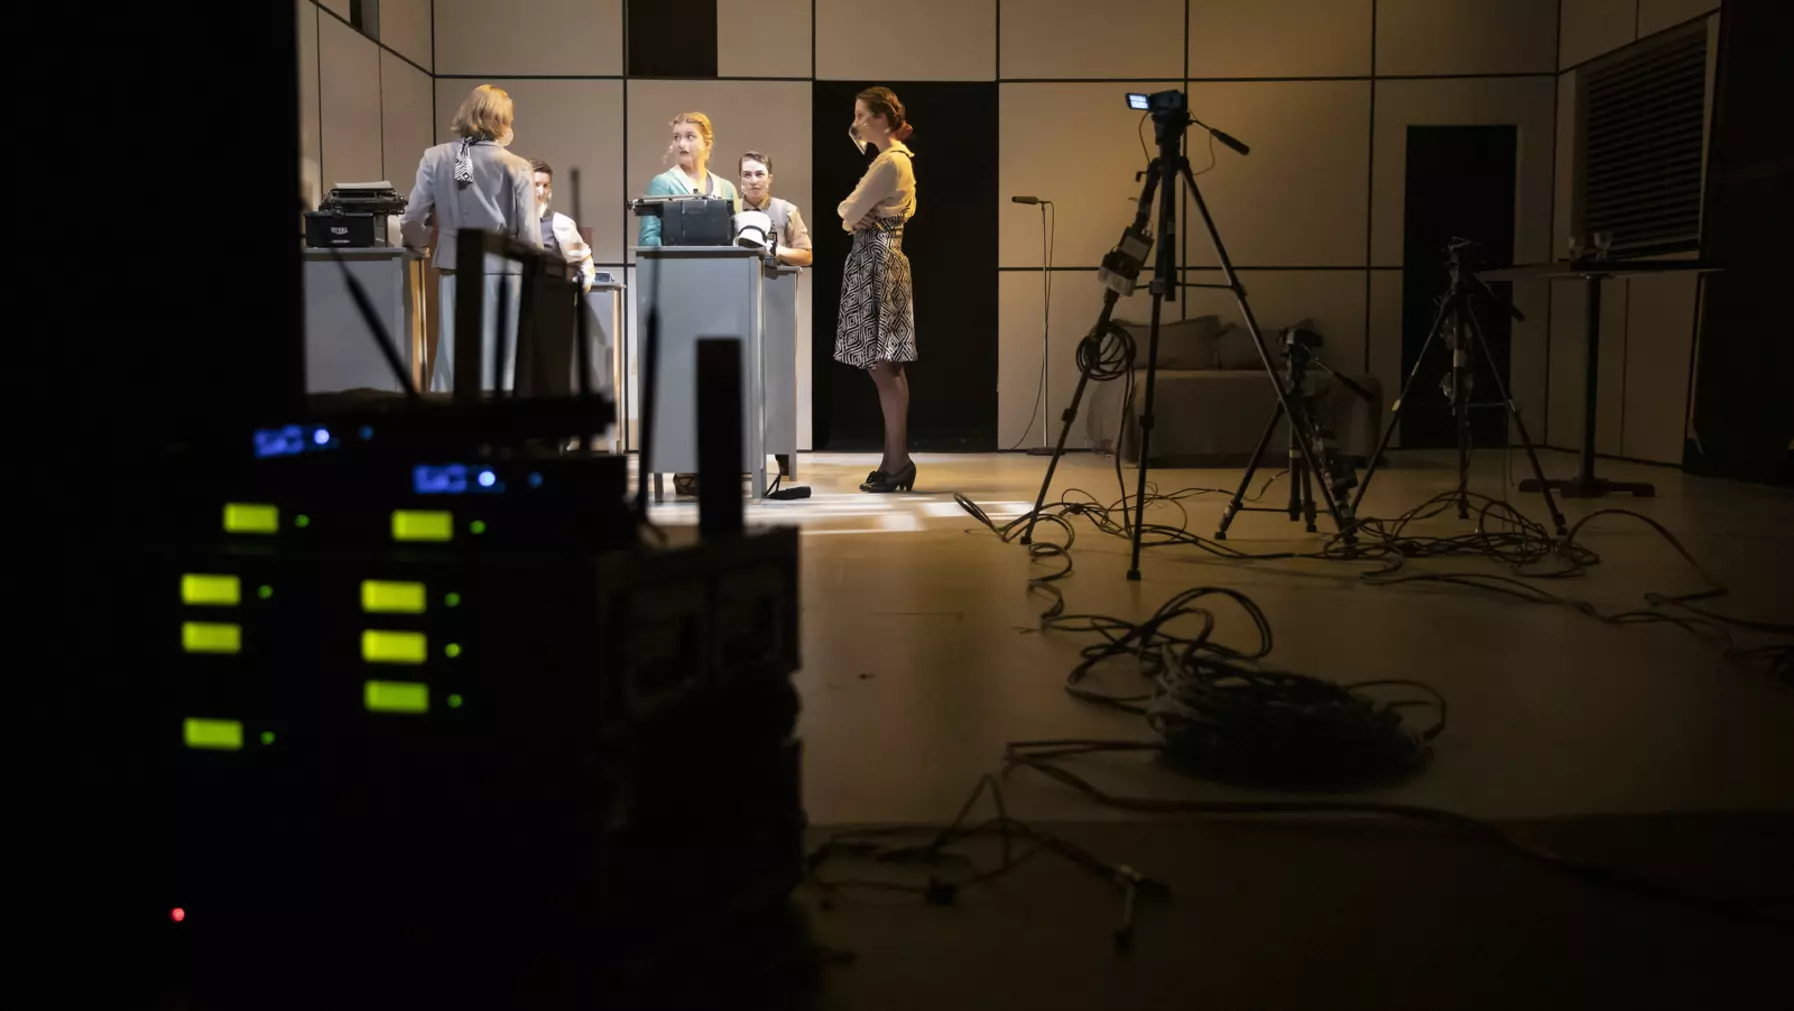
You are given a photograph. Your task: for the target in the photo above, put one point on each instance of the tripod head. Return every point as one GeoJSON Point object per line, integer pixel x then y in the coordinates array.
{"type": "Point", "coordinates": [1301, 348]}
{"type": "Point", "coordinates": [1462, 260]}
{"type": "Point", "coordinates": [1170, 111]}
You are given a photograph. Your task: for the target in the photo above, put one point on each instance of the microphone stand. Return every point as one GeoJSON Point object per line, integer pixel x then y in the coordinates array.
{"type": "Point", "coordinates": [1046, 316]}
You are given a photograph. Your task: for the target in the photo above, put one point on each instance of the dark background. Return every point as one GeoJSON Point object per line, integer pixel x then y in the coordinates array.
{"type": "Point", "coordinates": [1743, 382]}
{"type": "Point", "coordinates": [672, 39]}
{"type": "Point", "coordinates": [952, 248]}
{"type": "Point", "coordinates": [1460, 183]}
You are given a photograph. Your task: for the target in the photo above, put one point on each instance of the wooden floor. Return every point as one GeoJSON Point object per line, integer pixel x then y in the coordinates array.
{"type": "Point", "coordinates": [1637, 744]}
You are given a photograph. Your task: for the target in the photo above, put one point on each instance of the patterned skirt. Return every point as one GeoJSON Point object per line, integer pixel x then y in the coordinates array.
{"type": "Point", "coordinates": [877, 321]}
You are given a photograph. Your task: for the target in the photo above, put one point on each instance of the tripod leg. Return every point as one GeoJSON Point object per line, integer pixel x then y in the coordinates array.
{"type": "Point", "coordinates": [1395, 413]}
{"type": "Point", "coordinates": [1308, 512]}
{"type": "Point", "coordinates": [1298, 476]}
{"type": "Point", "coordinates": [1152, 369]}
{"type": "Point", "coordinates": [1532, 455]}
{"type": "Point", "coordinates": [1460, 409]}
{"type": "Point", "coordinates": [1058, 451]}
{"type": "Point", "coordinates": [1234, 505]}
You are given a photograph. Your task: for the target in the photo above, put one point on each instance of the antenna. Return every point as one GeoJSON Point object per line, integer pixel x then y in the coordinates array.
{"type": "Point", "coordinates": [376, 329]}
{"type": "Point", "coordinates": [582, 352]}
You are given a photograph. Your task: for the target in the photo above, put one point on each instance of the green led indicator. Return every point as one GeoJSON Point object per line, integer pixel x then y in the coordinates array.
{"type": "Point", "coordinates": [452, 650]}
{"type": "Point", "coordinates": [451, 600]}
{"type": "Point", "coordinates": [302, 520]}
{"type": "Point", "coordinates": [477, 527]}
{"type": "Point", "coordinates": [264, 591]}
{"type": "Point", "coordinates": [454, 701]}
{"type": "Point", "coordinates": [267, 737]}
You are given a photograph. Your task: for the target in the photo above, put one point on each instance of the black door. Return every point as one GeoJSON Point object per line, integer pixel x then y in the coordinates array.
{"type": "Point", "coordinates": [952, 249]}
{"type": "Point", "coordinates": [1460, 184]}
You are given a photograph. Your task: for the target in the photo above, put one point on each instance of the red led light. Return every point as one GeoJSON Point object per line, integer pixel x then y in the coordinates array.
{"type": "Point", "coordinates": [177, 914]}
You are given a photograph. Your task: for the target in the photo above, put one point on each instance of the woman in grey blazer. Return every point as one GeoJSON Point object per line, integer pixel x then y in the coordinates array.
{"type": "Point", "coordinates": [473, 182]}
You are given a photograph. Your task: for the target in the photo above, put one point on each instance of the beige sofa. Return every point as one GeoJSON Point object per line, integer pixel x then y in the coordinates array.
{"type": "Point", "coordinates": [1213, 400]}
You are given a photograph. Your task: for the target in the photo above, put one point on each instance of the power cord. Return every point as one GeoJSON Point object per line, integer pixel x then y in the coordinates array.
{"type": "Point", "coordinates": [1040, 756]}
{"type": "Point", "coordinates": [888, 846]}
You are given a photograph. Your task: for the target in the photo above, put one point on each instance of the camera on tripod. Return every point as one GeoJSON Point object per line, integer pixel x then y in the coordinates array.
{"type": "Point", "coordinates": [1160, 103]}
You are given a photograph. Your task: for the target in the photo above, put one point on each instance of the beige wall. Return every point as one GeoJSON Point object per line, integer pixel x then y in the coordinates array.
{"type": "Point", "coordinates": [364, 106]}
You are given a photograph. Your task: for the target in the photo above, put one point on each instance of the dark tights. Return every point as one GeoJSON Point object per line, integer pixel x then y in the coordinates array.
{"type": "Point", "coordinates": [893, 399]}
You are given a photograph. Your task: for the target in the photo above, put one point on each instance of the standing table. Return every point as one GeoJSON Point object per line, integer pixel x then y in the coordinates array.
{"type": "Point", "coordinates": [1592, 272]}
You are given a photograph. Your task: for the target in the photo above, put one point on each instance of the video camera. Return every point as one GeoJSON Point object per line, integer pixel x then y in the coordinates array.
{"type": "Point", "coordinates": [1160, 103]}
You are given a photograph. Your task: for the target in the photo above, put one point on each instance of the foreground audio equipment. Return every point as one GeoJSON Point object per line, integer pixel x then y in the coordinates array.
{"type": "Point", "coordinates": [442, 728]}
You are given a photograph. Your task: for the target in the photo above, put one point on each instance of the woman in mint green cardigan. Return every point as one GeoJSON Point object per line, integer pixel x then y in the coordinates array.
{"type": "Point", "coordinates": [692, 141]}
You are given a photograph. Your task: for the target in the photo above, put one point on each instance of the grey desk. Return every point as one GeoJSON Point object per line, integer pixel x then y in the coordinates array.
{"type": "Point", "coordinates": [603, 306]}
{"type": "Point", "coordinates": [779, 354]}
{"type": "Point", "coordinates": [701, 292]}
{"type": "Point", "coordinates": [340, 353]}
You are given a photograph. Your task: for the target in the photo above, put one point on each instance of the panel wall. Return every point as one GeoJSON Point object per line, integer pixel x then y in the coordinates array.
{"type": "Point", "coordinates": [405, 28]}
{"type": "Point", "coordinates": [934, 40]}
{"type": "Point", "coordinates": [1059, 39]}
{"type": "Point", "coordinates": [1591, 28]}
{"type": "Point", "coordinates": [1657, 15]}
{"type": "Point", "coordinates": [1091, 180]}
{"type": "Point", "coordinates": [1463, 37]}
{"type": "Point", "coordinates": [310, 126]}
{"type": "Point", "coordinates": [1280, 38]}
{"type": "Point", "coordinates": [1301, 197]}
{"type": "Point", "coordinates": [406, 98]}
{"type": "Point", "coordinates": [348, 105]}
{"type": "Point", "coordinates": [766, 38]}
{"type": "Point", "coordinates": [514, 38]}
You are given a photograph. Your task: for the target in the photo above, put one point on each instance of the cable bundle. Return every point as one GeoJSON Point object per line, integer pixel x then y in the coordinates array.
{"type": "Point", "coordinates": [1217, 713]}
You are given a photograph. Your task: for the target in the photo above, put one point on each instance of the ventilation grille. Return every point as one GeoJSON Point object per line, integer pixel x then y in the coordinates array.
{"type": "Point", "coordinates": [1642, 146]}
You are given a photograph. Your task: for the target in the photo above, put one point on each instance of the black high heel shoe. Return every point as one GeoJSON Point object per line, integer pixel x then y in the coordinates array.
{"type": "Point", "coordinates": [879, 482]}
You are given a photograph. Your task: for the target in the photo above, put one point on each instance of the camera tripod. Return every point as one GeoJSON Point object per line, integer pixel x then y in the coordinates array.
{"type": "Point", "coordinates": [1456, 321]}
{"type": "Point", "coordinates": [1299, 352]}
{"type": "Point", "coordinates": [1170, 119]}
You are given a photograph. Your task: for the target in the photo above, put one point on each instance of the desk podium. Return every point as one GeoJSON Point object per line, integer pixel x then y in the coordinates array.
{"type": "Point", "coordinates": [1592, 272]}
{"type": "Point", "coordinates": [340, 353]}
{"type": "Point", "coordinates": [701, 291]}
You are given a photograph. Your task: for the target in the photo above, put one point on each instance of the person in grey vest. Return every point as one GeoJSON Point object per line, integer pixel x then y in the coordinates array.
{"type": "Point", "coordinates": [560, 233]}
{"type": "Point", "coordinates": [473, 182]}
{"type": "Point", "coordinates": [793, 238]}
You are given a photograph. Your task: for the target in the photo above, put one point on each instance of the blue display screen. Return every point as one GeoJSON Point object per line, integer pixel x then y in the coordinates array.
{"type": "Point", "coordinates": [454, 479]}
{"type": "Point", "coordinates": [291, 440]}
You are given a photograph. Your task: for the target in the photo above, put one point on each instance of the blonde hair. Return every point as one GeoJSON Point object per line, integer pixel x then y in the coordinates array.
{"type": "Point", "coordinates": [699, 120]}
{"type": "Point", "coordinates": [485, 114]}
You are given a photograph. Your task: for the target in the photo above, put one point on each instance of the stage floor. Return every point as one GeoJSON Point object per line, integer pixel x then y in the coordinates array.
{"type": "Point", "coordinates": [1622, 745]}
{"type": "Point", "coordinates": [921, 658]}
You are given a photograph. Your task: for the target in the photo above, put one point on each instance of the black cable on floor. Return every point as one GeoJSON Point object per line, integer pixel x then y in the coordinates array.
{"type": "Point", "coordinates": [938, 848]}
{"type": "Point", "coordinates": [1040, 756]}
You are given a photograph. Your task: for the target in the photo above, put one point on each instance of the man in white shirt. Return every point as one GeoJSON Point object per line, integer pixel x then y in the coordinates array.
{"type": "Point", "coordinates": [560, 233]}
{"type": "Point", "coordinates": [793, 238]}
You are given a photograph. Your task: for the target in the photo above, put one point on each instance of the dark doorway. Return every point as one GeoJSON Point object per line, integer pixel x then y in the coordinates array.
{"type": "Point", "coordinates": [952, 249]}
{"type": "Point", "coordinates": [1460, 184]}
